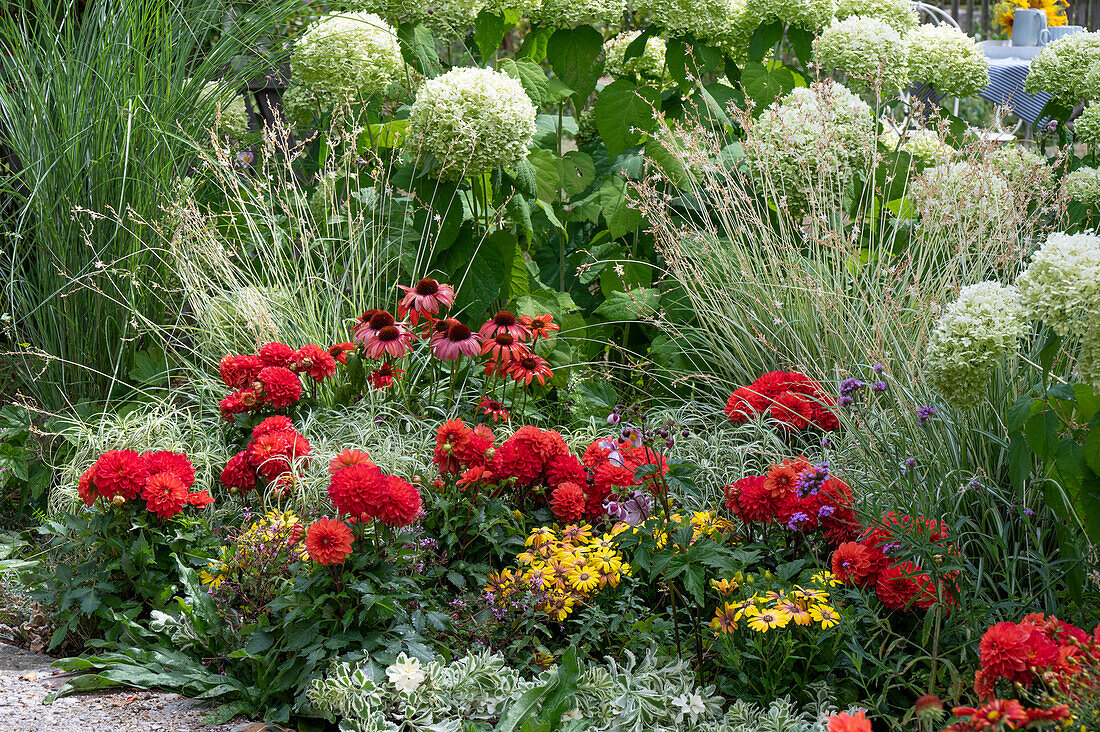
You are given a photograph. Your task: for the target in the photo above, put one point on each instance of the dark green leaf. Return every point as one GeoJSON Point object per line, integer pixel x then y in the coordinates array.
{"type": "Point", "coordinates": [530, 75]}
{"type": "Point", "coordinates": [764, 39]}
{"type": "Point", "coordinates": [624, 112]}
{"type": "Point", "coordinates": [576, 55]}
{"type": "Point", "coordinates": [418, 49]}
{"type": "Point", "coordinates": [489, 30]}
{"type": "Point", "coordinates": [1018, 413]}
{"type": "Point", "coordinates": [1041, 431]}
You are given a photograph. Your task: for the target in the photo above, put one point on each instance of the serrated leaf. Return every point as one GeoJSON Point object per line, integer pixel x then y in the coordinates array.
{"type": "Point", "coordinates": [763, 86]}
{"type": "Point", "coordinates": [576, 55]}
{"type": "Point", "coordinates": [1018, 413]}
{"type": "Point", "coordinates": [624, 113]}
{"type": "Point", "coordinates": [638, 304]}
{"type": "Point", "coordinates": [418, 49]}
{"type": "Point", "coordinates": [490, 28]}
{"type": "Point", "coordinates": [1041, 431]}
{"type": "Point", "coordinates": [764, 39]}
{"type": "Point", "coordinates": [620, 217]}
{"type": "Point", "coordinates": [531, 76]}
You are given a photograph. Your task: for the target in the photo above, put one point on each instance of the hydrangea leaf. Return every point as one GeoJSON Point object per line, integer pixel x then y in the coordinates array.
{"type": "Point", "coordinates": [638, 304]}
{"type": "Point", "coordinates": [617, 212]}
{"type": "Point", "coordinates": [489, 30]}
{"type": "Point", "coordinates": [763, 86]}
{"type": "Point", "coordinates": [576, 57]}
{"type": "Point", "coordinates": [530, 75]}
{"type": "Point", "coordinates": [418, 49]}
{"type": "Point", "coordinates": [624, 112]}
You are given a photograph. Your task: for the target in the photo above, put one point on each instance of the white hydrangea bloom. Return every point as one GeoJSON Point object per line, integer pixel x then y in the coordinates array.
{"type": "Point", "coordinates": [974, 333]}
{"type": "Point", "coordinates": [1088, 359]}
{"type": "Point", "coordinates": [1021, 167]}
{"type": "Point", "coordinates": [646, 68]}
{"type": "Point", "coordinates": [347, 56]}
{"type": "Point", "coordinates": [946, 59]}
{"type": "Point", "coordinates": [1087, 126]}
{"type": "Point", "coordinates": [723, 22]}
{"type": "Point", "coordinates": [1065, 68]}
{"type": "Point", "coordinates": [965, 201]}
{"type": "Point", "coordinates": [448, 19]}
{"type": "Point", "coordinates": [924, 145]}
{"type": "Point", "coordinates": [230, 111]}
{"type": "Point", "coordinates": [473, 121]}
{"type": "Point", "coordinates": [523, 7]}
{"type": "Point", "coordinates": [1061, 286]}
{"type": "Point", "coordinates": [814, 138]}
{"type": "Point", "coordinates": [898, 14]}
{"type": "Point", "coordinates": [866, 49]}
{"type": "Point", "coordinates": [811, 14]}
{"type": "Point", "coordinates": [571, 13]}
{"type": "Point", "coordinates": [1083, 185]}
{"type": "Point", "coordinates": [406, 674]}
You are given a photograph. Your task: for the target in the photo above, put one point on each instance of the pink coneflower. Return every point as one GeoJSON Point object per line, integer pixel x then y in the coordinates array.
{"type": "Point", "coordinates": [457, 342]}
{"type": "Point", "coordinates": [424, 299]}
{"type": "Point", "coordinates": [504, 322]}
{"type": "Point", "coordinates": [370, 323]}
{"type": "Point", "coordinates": [539, 325]}
{"type": "Point", "coordinates": [503, 347]}
{"type": "Point", "coordinates": [529, 366]}
{"type": "Point", "coordinates": [493, 408]}
{"type": "Point", "coordinates": [393, 340]}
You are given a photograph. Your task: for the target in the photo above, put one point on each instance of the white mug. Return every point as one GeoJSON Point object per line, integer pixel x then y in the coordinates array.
{"type": "Point", "coordinates": [1027, 25]}
{"type": "Point", "coordinates": [1053, 33]}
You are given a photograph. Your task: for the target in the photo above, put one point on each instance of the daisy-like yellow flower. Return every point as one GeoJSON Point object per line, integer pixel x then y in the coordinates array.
{"type": "Point", "coordinates": [281, 519]}
{"type": "Point", "coordinates": [542, 660]}
{"type": "Point", "coordinates": [609, 578]}
{"type": "Point", "coordinates": [559, 605]}
{"type": "Point", "coordinates": [607, 541]}
{"type": "Point", "coordinates": [539, 577]}
{"type": "Point", "coordinates": [724, 586]}
{"type": "Point", "coordinates": [540, 536]}
{"type": "Point", "coordinates": [704, 523]}
{"type": "Point", "coordinates": [621, 527]}
{"type": "Point", "coordinates": [725, 618]}
{"type": "Point", "coordinates": [825, 579]}
{"type": "Point", "coordinates": [810, 594]}
{"type": "Point", "coordinates": [799, 614]}
{"type": "Point", "coordinates": [577, 534]}
{"type": "Point", "coordinates": [825, 615]}
{"type": "Point", "coordinates": [583, 579]}
{"type": "Point", "coordinates": [560, 567]}
{"type": "Point", "coordinates": [764, 619]}
{"type": "Point", "coordinates": [743, 607]}
{"type": "Point", "coordinates": [215, 576]}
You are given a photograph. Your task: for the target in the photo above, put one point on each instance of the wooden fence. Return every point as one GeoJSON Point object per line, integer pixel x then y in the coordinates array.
{"type": "Point", "coordinates": [974, 15]}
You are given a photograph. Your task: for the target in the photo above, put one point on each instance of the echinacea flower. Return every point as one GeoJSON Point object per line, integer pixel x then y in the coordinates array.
{"type": "Point", "coordinates": [529, 366]}
{"type": "Point", "coordinates": [328, 541]}
{"type": "Point", "coordinates": [370, 322]}
{"type": "Point", "coordinates": [392, 340]}
{"type": "Point", "coordinates": [457, 341]}
{"type": "Point", "coordinates": [425, 298]}
{"type": "Point", "coordinates": [493, 408]}
{"type": "Point", "coordinates": [503, 347]}
{"type": "Point", "coordinates": [539, 325]}
{"type": "Point", "coordinates": [340, 351]}
{"type": "Point", "coordinates": [504, 322]}
{"type": "Point", "coordinates": [383, 376]}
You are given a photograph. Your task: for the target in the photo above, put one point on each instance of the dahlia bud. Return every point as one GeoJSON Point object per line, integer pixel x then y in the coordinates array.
{"type": "Point", "coordinates": [364, 517]}
{"type": "Point", "coordinates": [929, 708]}
{"type": "Point", "coordinates": [415, 480]}
{"type": "Point", "coordinates": [234, 489]}
{"type": "Point", "coordinates": [448, 447]}
{"type": "Point", "coordinates": [118, 500]}
{"type": "Point", "coordinates": [490, 453]}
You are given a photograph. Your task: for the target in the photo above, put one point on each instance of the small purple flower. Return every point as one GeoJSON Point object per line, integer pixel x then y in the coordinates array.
{"type": "Point", "coordinates": [825, 444]}
{"type": "Point", "coordinates": [614, 418]}
{"type": "Point", "coordinates": [879, 368]}
{"type": "Point", "coordinates": [825, 511]}
{"type": "Point", "coordinates": [845, 400]}
{"type": "Point", "coordinates": [1052, 126]}
{"type": "Point", "coordinates": [926, 413]}
{"type": "Point", "coordinates": [878, 386]}
{"type": "Point", "coordinates": [908, 465]}
{"type": "Point", "coordinates": [1028, 512]}
{"type": "Point", "coordinates": [797, 518]}
{"type": "Point", "coordinates": [849, 385]}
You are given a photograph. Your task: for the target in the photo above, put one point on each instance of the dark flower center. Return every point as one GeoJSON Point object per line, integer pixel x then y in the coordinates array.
{"type": "Point", "coordinates": [528, 362]}
{"type": "Point", "coordinates": [458, 333]}
{"type": "Point", "coordinates": [367, 315]}
{"type": "Point", "coordinates": [427, 286]}
{"type": "Point", "coordinates": [389, 333]}
{"type": "Point", "coordinates": [504, 319]}
{"type": "Point", "coordinates": [504, 339]}
{"type": "Point", "coordinates": [381, 319]}
{"type": "Point", "coordinates": [442, 326]}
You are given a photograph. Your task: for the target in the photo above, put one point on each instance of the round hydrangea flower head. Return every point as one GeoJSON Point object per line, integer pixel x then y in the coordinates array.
{"type": "Point", "coordinates": [1064, 68]}
{"type": "Point", "coordinates": [924, 145]}
{"type": "Point", "coordinates": [1021, 167]}
{"type": "Point", "coordinates": [813, 138]}
{"type": "Point", "coordinates": [473, 121]}
{"type": "Point", "coordinates": [1083, 185]}
{"type": "Point", "coordinates": [974, 333]}
{"type": "Point", "coordinates": [718, 21]}
{"type": "Point", "coordinates": [966, 201]}
{"type": "Point", "coordinates": [447, 19]}
{"type": "Point", "coordinates": [523, 7]}
{"type": "Point", "coordinates": [230, 116]}
{"type": "Point", "coordinates": [571, 13]}
{"type": "Point", "coordinates": [867, 49]}
{"type": "Point", "coordinates": [649, 67]}
{"type": "Point", "coordinates": [1087, 126]}
{"type": "Point", "coordinates": [898, 14]}
{"type": "Point", "coordinates": [1088, 359]}
{"type": "Point", "coordinates": [1061, 286]}
{"type": "Point", "coordinates": [809, 14]}
{"type": "Point", "coordinates": [347, 56]}
{"type": "Point", "coordinates": [946, 59]}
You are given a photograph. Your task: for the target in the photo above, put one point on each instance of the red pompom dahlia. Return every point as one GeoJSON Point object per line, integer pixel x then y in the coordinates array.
{"type": "Point", "coordinates": [328, 541]}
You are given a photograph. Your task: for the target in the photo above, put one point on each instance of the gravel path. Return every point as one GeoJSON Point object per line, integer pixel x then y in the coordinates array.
{"type": "Point", "coordinates": [26, 678]}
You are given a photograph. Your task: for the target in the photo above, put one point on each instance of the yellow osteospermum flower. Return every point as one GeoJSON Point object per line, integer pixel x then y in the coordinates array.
{"type": "Point", "coordinates": [724, 586]}
{"type": "Point", "coordinates": [540, 536]}
{"type": "Point", "coordinates": [810, 595]}
{"type": "Point", "coordinates": [743, 608]}
{"type": "Point", "coordinates": [215, 577]}
{"type": "Point", "coordinates": [799, 614]}
{"type": "Point", "coordinates": [826, 615]}
{"type": "Point", "coordinates": [825, 579]}
{"type": "Point", "coordinates": [583, 579]}
{"type": "Point", "coordinates": [763, 620]}
{"type": "Point", "coordinates": [725, 618]}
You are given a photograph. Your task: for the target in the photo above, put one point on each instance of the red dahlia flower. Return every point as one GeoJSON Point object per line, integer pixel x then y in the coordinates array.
{"type": "Point", "coordinates": [238, 402]}
{"type": "Point", "coordinates": [277, 423]}
{"type": "Point", "coordinates": [358, 490]}
{"type": "Point", "coordinates": [565, 469]}
{"type": "Point", "coordinates": [424, 299]}
{"type": "Point", "coordinates": [238, 474]}
{"type": "Point", "coordinates": [780, 479]}
{"type": "Point", "coordinates": [281, 386]}
{"type": "Point", "coordinates": [455, 342]}
{"type": "Point", "coordinates": [165, 494]}
{"type": "Point", "coordinates": [348, 458]}
{"type": "Point", "coordinates": [845, 722]}
{"type": "Point", "coordinates": [328, 541]}
{"type": "Point", "coordinates": [567, 502]}
{"type": "Point", "coordinates": [448, 438]}
{"type": "Point", "coordinates": [384, 376]}
{"type": "Point", "coordinates": [792, 411]}
{"type": "Point", "coordinates": [754, 501]}
{"type": "Point", "coordinates": [315, 362]}
{"type": "Point", "coordinates": [176, 463]}
{"type": "Point", "coordinates": [504, 322]}
{"type": "Point", "coordinates": [237, 372]}
{"type": "Point", "coordinates": [1003, 652]}
{"type": "Point", "coordinates": [901, 585]}
{"type": "Point", "coordinates": [401, 505]}
{"type": "Point", "coordinates": [475, 449]}
{"type": "Point", "coordinates": [120, 473]}
{"type": "Point", "coordinates": [744, 403]}
{"type": "Point", "coordinates": [199, 499]}
{"type": "Point", "coordinates": [86, 486]}
{"type": "Point", "coordinates": [852, 564]}
{"type": "Point", "coordinates": [277, 354]}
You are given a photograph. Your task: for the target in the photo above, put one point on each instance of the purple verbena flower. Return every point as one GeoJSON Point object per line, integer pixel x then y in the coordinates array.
{"type": "Point", "coordinates": [878, 386]}
{"type": "Point", "coordinates": [926, 413]}
{"type": "Point", "coordinates": [849, 385]}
